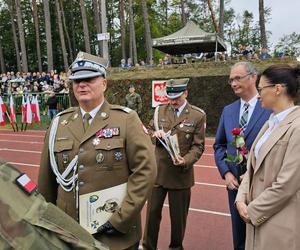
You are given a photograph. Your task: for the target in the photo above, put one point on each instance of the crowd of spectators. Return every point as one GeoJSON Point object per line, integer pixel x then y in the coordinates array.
{"type": "Point", "coordinates": [36, 82]}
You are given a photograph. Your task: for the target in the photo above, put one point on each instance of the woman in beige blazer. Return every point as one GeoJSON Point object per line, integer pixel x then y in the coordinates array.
{"type": "Point", "coordinates": [268, 199]}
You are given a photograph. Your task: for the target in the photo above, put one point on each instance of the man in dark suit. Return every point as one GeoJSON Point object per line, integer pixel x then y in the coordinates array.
{"type": "Point", "coordinates": [175, 177]}
{"type": "Point", "coordinates": [247, 114]}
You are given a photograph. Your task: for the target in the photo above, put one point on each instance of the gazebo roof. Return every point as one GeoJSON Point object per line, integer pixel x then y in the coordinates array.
{"type": "Point", "coordinates": [190, 39]}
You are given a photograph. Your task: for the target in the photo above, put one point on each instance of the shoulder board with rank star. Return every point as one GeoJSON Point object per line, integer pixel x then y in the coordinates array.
{"type": "Point", "coordinates": [26, 184]}
{"type": "Point", "coordinates": [125, 109]}
{"type": "Point", "coordinates": [196, 108]}
{"type": "Point", "coordinates": [69, 110]}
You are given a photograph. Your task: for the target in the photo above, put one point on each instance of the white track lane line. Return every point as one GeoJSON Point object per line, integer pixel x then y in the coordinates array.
{"type": "Point", "coordinates": [27, 142]}
{"type": "Point", "coordinates": [23, 164]}
{"type": "Point", "coordinates": [210, 184]}
{"type": "Point", "coordinates": [204, 166]}
{"type": "Point", "coordinates": [19, 150]}
{"type": "Point", "coordinates": [20, 135]}
{"type": "Point", "coordinates": [205, 211]}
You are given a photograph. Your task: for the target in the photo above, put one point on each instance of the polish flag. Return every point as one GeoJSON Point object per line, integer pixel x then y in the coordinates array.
{"type": "Point", "coordinates": [2, 112]}
{"type": "Point", "coordinates": [35, 109]}
{"type": "Point", "coordinates": [28, 112]}
{"type": "Point", "coordinates": [23, 110]}
{"type": "Point", "coordinates": [12, 110]}
{"type": "Point", "coordinates": [26, 183]}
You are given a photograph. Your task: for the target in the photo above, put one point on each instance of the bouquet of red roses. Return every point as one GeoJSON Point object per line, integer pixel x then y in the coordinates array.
{"type": "Point", "coordinates": [241, 150]}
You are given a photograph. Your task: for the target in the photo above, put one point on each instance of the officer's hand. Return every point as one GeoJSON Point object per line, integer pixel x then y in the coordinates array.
{"type": "Point", "coordinates": [107, 228]}
{"type": "Point", "coordinates": [231, 181]}
{"type": "Point", "coordinates": [159, 134]}
{"type": "Point", "coordinates": [179, 161]}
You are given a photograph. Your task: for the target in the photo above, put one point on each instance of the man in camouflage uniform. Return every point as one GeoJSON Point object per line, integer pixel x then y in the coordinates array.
{"type": "Point", "coordinates": [94, 147]}
{"type": "Point", "coordinates": [175, 177]}
{"type": "Point", "coordinates": [28, 222]}
{"type": "Point", "coordinates": [133, 100]}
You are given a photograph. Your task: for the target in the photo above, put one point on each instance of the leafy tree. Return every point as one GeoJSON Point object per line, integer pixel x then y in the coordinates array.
{"type": "Point", "coordinates": [288, 45]}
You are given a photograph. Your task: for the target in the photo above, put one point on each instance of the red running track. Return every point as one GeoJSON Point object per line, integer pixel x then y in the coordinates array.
{"type": "Point", "coordinates": [208, 226]}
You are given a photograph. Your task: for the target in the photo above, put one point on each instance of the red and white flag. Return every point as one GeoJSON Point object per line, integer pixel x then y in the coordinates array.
{"type": "Point", "coordinates": [28, 112]}
{"type": "Point", "coordinates": [23, 110]}
{"type": "Point", "coordinates": [35, 109]}
{"type": "Point", "coordinates": [2, 112]}
{"type": "Point", "coordinates": [12, 113]}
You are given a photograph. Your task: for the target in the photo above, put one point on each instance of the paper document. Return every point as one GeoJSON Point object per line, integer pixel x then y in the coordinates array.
{"type": "Point", "coordinates": [170, 143]}
{"type": "Point", "coordinates": [96, 208]}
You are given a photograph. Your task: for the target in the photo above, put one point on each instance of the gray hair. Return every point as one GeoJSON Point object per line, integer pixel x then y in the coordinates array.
{"type": "Point", "coordinates": [249, 67]}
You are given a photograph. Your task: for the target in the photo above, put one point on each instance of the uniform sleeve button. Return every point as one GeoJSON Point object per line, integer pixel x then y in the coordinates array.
{"type": "Point", "coordinates": [81, 183]}
{"type": "Point", "coordinates": [81, 167]}
{"type": "Point", "coordinates": [81, 150]}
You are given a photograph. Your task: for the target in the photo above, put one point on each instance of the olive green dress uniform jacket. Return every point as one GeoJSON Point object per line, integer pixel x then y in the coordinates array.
{"type": "Point", "coordinates": [271, 188]}
{"type": "Point", "coordinates": [190, 129]}
{"type": "Point", "coordinates": [28, 222]}
{"type": "Point", "coordinates": [136, 166]}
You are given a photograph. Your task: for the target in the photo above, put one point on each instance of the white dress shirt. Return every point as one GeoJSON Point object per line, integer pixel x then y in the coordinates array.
{"type": "Point", "coordinates": [273, 122]}
{"type": "Point", "coordinates": [92, 112]}
{"type": "Point", "coordinates": [181, 108]}
{"type": "Point", "coordinates": [251, 108]}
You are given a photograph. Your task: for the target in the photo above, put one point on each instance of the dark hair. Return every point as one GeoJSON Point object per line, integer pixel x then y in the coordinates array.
{"type": "Point", "coordinates": [285, 74]}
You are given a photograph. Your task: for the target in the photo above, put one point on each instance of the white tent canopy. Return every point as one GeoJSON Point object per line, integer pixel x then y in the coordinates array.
{"type": "Point", "coordinates": [190, 39]}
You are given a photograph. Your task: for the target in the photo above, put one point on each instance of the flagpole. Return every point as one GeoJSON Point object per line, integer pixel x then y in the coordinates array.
{"type": "Point", "coordinates": [10, 121]}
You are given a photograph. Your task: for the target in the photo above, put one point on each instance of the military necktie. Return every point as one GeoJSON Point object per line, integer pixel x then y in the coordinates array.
{"type": "Point", "coordinates": [176, 113]}
{"type": "Point", "coordinates": [86, 119]}
{"type": "Point", "coordinates": [244, 117]}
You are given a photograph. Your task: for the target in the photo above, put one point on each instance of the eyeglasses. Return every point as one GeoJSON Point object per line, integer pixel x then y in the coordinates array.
{"type": "Point", "coordinates": [259, 89]}
{"type": "Point", "coordinates": [237, 78]}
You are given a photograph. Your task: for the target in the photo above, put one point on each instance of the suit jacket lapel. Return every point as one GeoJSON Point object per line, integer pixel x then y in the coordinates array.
{"type": "Point", "coordinates": [75, 125]}
{"type": "Point", "coordinates": [99, 122]}
{"type": "Point", "coordinates": [235, 114]}
{"type": "Point", "coordinates": [275, 136]}
{"type": "Point", "coordinates": [257, 112]}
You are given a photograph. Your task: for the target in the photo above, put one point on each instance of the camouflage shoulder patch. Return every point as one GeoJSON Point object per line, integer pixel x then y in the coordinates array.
{"type": "Point", "coordinates": [198, 109]}
{"type": "Point", "coordinates": [125, 109]}
{"type": "Point", "coordinates": [69, 110]}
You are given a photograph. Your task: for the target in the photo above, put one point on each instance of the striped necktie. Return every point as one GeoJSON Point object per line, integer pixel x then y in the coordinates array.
{"type": "Point", "coordinates": [244, 117]}
{"type": "Point", "coordinates": [86, 121]}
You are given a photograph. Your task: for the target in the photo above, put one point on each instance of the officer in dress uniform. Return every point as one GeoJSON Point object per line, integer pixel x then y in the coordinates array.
{"type": "Point", "coordinates": [133, 100]}
{"type": "Point", "coordinates": [94, 147]}
{"type": "Point", "coordinates": [29, 222]}
{"type": "Point", "coordinates": [175, 177]}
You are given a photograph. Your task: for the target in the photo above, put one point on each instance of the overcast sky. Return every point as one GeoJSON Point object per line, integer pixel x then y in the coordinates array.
{"type": "Point", "coordinates": [284, 15]}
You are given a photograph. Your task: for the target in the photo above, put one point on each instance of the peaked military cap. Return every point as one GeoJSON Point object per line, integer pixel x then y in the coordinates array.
{"type": "Point", "coordinates": [87, 66]}
{"type": "Point", "coordinates": [176, 87]}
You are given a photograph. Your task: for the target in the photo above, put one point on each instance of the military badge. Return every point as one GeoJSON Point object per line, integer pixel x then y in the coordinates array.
{"type": "Point", "coordinates": [99, 158]}
{"type": "Point", "coordinates": [65, 158]}
{"type": "Point", "coordinates": [96, 141]}
{"type": "Point", "coordinates": [64, 122]}
{"type": "Point", "coordinates": [103, 114]}
{"type": "Point", "coordinates": [181, 125]}
{"type": "Point", "coordinates": [187, 136]}
{"type": "Point", "coordinates": [118, 156]}
{"type": "Point", "coordinates": [108, 132]}
{"type": "Point", "coordinates": [26, 184]}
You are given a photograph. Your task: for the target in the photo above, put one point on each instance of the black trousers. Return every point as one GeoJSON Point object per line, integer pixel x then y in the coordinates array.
{"type": "Point", "coordinates": [238, 225]}
{"type": "Point", "coordinates": [179, 202]}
